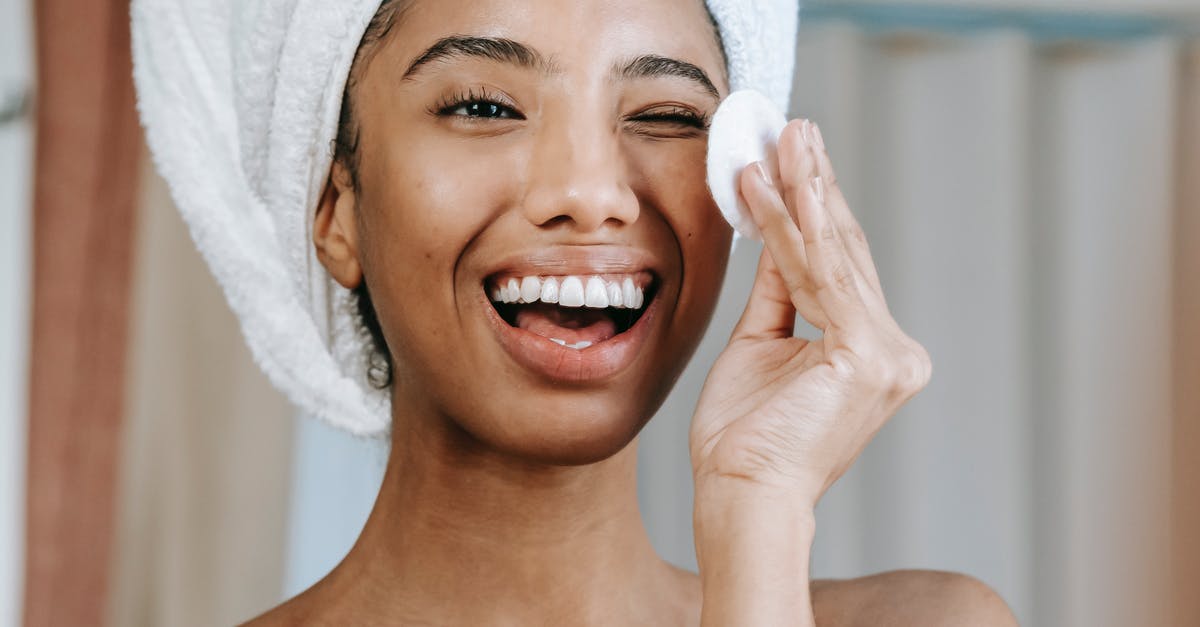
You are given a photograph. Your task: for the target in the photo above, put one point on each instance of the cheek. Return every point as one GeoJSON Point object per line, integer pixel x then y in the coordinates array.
{"type": "Point", "coordinates": [673, 179]}
{"type": "Point", "coordinates": [671, 175]}
{"type": "Point", "coordinates": [433, 197]}
{"type": "Point", "coordinates": [423, 201]}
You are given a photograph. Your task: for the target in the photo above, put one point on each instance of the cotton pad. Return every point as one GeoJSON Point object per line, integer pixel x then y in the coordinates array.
{"type": "Point", "coordinates": [745, 129]}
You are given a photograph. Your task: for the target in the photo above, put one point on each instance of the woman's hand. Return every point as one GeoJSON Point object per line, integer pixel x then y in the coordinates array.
{"type": "Point", "coordinates": [782, 415]}
{"type": "Point", "coordinates": [781, 418]}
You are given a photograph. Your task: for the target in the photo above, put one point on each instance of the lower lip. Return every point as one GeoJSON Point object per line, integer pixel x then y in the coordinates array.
{"type": "Point", "coordinates": [567, 365]}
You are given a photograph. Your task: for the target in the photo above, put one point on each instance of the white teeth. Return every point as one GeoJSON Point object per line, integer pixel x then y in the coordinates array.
{"type": "Point", "coordinates": [614, 296]}
{"type": "Point", "coordinates": [570, 293]}
{"type": "Point", "coordinates": [597, 294]}
{"type": "Point", "coordinates": [628, 293]}
{"type": "Point", "coordinates": [531, 289]}
{"type": "Point", "coordinates": [550, 290]}
{"type": "Point", "coordinates": [577, 345]}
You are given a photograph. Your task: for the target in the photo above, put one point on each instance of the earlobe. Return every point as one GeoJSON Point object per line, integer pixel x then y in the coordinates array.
{"type": "Point", "coordinates": [335, 232]}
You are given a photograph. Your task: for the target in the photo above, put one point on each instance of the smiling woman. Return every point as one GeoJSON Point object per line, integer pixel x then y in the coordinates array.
{"type": "Point", "coordinates": [677, 119]}
{"type": "Point", "coordinates": [517, 200]}
{"type": "Point", "coordinates": [601, 138]}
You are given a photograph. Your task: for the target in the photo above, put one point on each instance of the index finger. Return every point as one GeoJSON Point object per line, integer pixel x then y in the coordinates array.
{"type": "Point", "coordinates": [783, 242]}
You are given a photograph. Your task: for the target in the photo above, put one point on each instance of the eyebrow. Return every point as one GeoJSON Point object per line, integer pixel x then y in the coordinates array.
{"type": "Point", "coordinates": [492, 48]}
{"type": "Point", "coordinates": [652, 66]}
{"type": "Point", "coordinates": [519, 54]}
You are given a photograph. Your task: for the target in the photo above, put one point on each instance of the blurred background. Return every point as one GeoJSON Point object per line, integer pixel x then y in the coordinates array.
{"type": "Point", "coordinates": [1028, 174]}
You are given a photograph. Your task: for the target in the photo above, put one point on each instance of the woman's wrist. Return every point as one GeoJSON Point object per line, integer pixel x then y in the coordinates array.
{"type": "Point", "coordinates": [725, 509]}
{"type": "Point", "coordinates": [721, 488]}
{"type": "Point", "coordinates": [753, 547]}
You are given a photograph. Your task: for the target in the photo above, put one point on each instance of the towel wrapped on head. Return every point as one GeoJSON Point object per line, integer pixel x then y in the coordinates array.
{"type": "Point", "coordinates": [240, 100]}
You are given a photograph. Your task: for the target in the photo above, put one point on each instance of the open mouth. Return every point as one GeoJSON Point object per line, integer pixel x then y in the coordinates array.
{"type": "Point", "coordinates": [576, 312]}
{"type": "Point", "coordinates": [573, 328]}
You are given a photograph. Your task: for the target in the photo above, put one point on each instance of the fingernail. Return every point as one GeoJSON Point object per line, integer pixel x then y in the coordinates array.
{"type": "Point", "coordinates": [762, 173]}
{"type": "Point", "coordinates": [806, 131]}
{"type": "Point", "coordinates": [817, 136]}
{"type": "Point", "coordinates": [818, 189]}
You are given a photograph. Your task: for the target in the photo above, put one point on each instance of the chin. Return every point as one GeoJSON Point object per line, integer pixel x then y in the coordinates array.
{"type": "Point", "coordinates": [571, 430]}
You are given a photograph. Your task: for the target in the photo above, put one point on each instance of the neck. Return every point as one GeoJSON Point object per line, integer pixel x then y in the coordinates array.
{"type": "Point", "coordinates": [464, 535]}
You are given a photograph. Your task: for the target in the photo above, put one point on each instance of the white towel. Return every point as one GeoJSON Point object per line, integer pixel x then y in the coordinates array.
{"type": "Point", "coordinates": [240, 101]}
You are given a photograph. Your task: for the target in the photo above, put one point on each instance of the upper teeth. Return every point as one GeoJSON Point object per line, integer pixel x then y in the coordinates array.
{"type": "Point", "coordinates": [571, 291]}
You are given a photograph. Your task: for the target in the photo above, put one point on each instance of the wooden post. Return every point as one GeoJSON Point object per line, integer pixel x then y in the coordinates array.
{"type": "Point", "coordinates": [1185, 490]}
{"type": "Point", "coordinates": [88, 144]}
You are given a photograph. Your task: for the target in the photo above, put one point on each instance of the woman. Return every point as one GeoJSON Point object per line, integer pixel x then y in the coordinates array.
{"type": "Point", "coordinates": [517, 200]}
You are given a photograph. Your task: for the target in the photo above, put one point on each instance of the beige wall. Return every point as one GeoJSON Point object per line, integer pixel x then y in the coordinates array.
{"type": "Point", "coordinates": [205, 477]}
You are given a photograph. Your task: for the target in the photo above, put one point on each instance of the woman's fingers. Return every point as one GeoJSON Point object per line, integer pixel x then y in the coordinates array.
{"type": "Point", "coordinates": [769, 313]}
{"type": "Point", "coordinates": [818, 252]}
{"type": "Point", "coordinates": [836, 281]}
{"type": "Point", "coordinates": [852, 234]}
{"type": "Point", "coordinates": [783, 285]}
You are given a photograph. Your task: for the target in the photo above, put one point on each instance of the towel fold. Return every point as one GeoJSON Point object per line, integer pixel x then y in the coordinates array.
{"type": "Point", "coordinates": [240, 102]}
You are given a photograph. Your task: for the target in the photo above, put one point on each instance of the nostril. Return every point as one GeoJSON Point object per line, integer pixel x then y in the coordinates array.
{"type": "Point", "coordinates": [557, 220]}
{"type": "Point", "coordinates": [580, 221]}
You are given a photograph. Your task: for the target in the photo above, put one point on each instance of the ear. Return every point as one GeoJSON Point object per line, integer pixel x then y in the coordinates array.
{"type": "Point", "coordinates": [335, 228]}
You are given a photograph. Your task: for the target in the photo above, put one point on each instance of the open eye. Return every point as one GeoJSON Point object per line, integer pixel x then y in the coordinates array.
{"type": "Point", "coordinates": [483, 109]}
{"type": "Point", "coordinates": [477, 106]}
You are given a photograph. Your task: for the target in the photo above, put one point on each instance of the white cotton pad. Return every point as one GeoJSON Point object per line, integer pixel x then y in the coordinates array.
{"type": "Point", "coordinates": [745, 129]}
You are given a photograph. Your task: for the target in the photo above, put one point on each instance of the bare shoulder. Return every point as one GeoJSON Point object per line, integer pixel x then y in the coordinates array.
{"type": "Point", "coordinates": [901, 598]}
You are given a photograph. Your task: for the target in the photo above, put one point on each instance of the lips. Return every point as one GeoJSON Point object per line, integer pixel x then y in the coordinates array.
{"type": "Point", "coordinates": [557, 362]}
{"type": "Point", "coordinates": [567, 337]}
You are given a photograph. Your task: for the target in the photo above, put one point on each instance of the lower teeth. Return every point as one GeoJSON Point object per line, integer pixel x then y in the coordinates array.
{"type": "Point", "coordinates": [577, 345]}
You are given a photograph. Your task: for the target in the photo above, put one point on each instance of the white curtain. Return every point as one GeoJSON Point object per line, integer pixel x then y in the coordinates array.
{"type": "Point", "coordinates": [1018, 196]}
{"type": "Point", "coordinates": [16, 176]}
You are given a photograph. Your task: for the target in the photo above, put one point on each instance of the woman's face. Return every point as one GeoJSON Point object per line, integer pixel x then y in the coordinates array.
{"type": "Point", "coordinates": [513, 150]}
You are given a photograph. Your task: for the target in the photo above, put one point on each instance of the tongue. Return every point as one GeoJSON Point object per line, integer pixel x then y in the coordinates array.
{"type": "Point", "coordinates": [568, 324]}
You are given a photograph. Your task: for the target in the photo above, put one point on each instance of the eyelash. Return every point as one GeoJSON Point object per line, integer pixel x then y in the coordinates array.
{"type": "Point", "coordinates": [680, 116]}
{"type": "Point", "coordinates": [676, 115]}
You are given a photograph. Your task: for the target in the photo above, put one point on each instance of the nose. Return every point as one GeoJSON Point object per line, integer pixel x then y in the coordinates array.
{"type": "Point", "coordinates": [577, 176]}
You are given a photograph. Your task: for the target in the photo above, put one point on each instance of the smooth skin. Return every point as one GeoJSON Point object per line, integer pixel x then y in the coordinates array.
{"type": "Point", "coordinates": [511, 500]}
